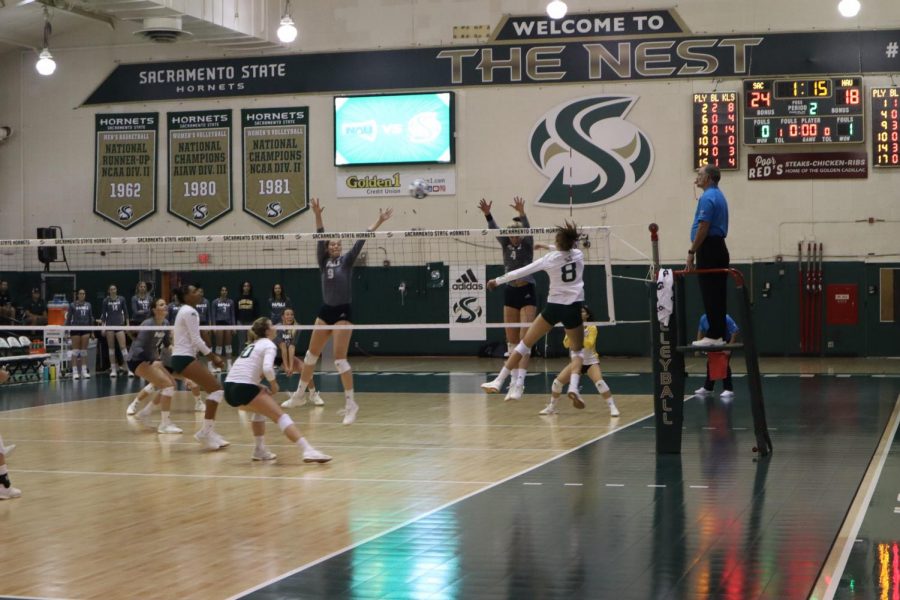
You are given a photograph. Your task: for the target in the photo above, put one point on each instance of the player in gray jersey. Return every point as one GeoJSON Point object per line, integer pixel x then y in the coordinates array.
{"type": "Point", "coordinates": [202, 309]}
{"type": "Point", "coordinates": [286, 340]}
{"type": "Point", "coordinates": [114, 312]}
{"type": "Point", "coordinates": [520, 297]}
{"type": "Point", "coordinates": [222, 311]}
{"type": "Point", "coordinates": [336, 269]}
{"type": "Point", "coordinates": [141, 304]}
{"type": "Point", "coordinates": [81, 314]}
{"type": "Point", "coordinates": [143, 359]}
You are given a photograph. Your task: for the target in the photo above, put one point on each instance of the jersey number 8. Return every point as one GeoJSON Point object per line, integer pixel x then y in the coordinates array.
{"type": "Point", "coordinates": [568, 272]}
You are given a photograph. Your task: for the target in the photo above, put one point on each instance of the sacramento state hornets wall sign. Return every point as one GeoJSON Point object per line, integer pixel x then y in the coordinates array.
{"type": "Point", "coordinates": [590, 153]}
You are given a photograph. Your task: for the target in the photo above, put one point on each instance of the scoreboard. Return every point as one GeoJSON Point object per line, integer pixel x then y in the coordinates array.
{"type": "Point", "coordinates": [803, 111]}
{"type": "Point", "coordinates": [716, 130]}
{"type": "Point", "coordinates": [885, 130]}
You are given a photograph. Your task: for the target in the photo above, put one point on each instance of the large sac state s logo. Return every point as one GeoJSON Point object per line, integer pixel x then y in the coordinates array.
{"type": "Point", "coordinates": [465, 312]}
{"type": "Point", "coordinates": [590, 153]}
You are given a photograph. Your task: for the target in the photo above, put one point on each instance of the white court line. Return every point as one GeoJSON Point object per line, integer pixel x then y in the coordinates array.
{"type": "Point", "coordinates": [532, 483]}
{"type": "Point", "coordinates": [574, 484]}
{"type": "Point", "coordinates": [699, 487]}
{"type": "Point", "coordinates": [615, 485]}
{"type": "Point", "coordinates": [305, 479]}
{"type": "Point", "coordinates": [656, 485]}
{"type": "Point", "coordinates": [427, 514]}
{"type": "Point", "coordinates": [369, 424]}
{"type": "Point", "coordinates": [173, 442]}
{"type": "Point", "coordinates": [862, 505]}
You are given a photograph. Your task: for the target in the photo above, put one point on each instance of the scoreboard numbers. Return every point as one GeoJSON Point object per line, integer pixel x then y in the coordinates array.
{"type": "Point", "coordinates": [716, 130]}
{"type": "Point", "coordinates": [885, 126]}
{"type": "Point", "coordinates": [803, 111]}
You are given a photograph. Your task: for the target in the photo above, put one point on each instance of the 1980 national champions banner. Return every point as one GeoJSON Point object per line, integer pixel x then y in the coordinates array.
{"type": "Point", "coordinates": [200, 165]}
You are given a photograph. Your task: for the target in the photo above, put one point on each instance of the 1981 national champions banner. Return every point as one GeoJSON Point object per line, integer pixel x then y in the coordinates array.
{"type": "Point", "coordinates": [125, 167]}
{"type": "Point", "coordinates": [276, 175]}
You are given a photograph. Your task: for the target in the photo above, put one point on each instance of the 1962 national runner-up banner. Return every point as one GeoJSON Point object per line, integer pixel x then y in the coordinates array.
{"type": "Point", "coordinates": [125, 167]}
{"type": "Point", "coordinates": [200, 165]}
{"type": "Point", "coordinates": [276, 177]}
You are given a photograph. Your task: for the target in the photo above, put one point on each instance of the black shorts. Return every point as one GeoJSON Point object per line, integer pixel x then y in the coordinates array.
{"type": "Point", "coordinates": [180, 363]}
{"type": "Point", "coordinates": [333, 314]}
{"type": "Point", "coordinates": [567, 314]}
{"type": "Point", "coordinates": [240, 394]}
{"type": "Point", "coordinates": [586, 368]}
{"type": "Point", "coordinates": [134, 364]}
{"type": "Point", "coordinates": [519, 297]}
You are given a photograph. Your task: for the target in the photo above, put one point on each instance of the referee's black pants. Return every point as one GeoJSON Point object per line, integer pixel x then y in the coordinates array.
{"type": "Point", "coordinates": [713, 254]}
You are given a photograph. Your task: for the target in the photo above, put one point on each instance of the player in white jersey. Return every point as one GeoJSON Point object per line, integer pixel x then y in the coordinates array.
{"type": "Point", "coordinates": [184, 362]}
{"type": "Point", "coordinates": [243, 391]}
{"type": "Point", "coordinates": [7, 491]}
{"type": "Point", "coordinates": [565, 267]}
{"type": "Point", "coordinates": [591, 368]}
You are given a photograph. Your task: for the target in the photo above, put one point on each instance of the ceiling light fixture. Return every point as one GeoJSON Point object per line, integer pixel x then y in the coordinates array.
{"type": "Point", "coordinates": [45, 64]}
{"type": "Point", "coordinates": [557, 9]}
{"type": "Point", "coordinates": [849, 8]}
{"type": "Point", "coordinates": [287, 31]}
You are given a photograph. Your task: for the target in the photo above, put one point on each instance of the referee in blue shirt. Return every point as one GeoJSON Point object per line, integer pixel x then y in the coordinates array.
{"type": "Point", "coordinates": [708, 235]}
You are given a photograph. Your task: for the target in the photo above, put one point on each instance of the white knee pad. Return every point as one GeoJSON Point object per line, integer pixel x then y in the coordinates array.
{"type": "Point", "coordinates": [168, 391]}
{"type": "Point", "coordinates": [310, 358]}
{"type": "Point", "coordinates": [216, 396]}
{"type": "Point", "coordinates": [556, 386]}
{"type": "Point", "coordinates": [602, 387]}
{"type": "Point", "coordinates": [579, 354]}
{"type": "Point", "coordinates": [257, 418]}
{"type": "Point", "coordinates": [341, 365]}
{"type": "Point", "coordinates": [510, 347]}
{"type": "Point", "coordinates": [149, 388]}
{"type": "Point", "coordinates": [285, 421]}
{"type": "Point", "coordinates": [522, 349]}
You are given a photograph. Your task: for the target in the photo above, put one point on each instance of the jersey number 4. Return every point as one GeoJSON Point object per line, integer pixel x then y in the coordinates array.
{"type": "Point", "coordinates": [568, 272]}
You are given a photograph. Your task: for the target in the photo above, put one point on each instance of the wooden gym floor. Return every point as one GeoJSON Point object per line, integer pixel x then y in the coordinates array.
{"type": "Point", "coordinates": [439, 491]}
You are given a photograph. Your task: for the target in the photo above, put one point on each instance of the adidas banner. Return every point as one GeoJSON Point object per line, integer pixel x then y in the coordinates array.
{"type": "Point", "coordinates": [467, 303]}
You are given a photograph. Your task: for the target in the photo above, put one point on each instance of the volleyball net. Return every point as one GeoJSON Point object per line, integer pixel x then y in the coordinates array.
{"type": "Point", "coordinates": [416, 279]}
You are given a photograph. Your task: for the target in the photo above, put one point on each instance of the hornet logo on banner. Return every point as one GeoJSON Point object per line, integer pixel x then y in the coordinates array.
{"type": "Point", "coordinates": [467, 303]}
{"type": "Point", "coordinates": [590, 153]}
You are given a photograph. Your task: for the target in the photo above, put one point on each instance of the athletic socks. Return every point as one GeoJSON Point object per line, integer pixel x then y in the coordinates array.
{"type": "Point", "coordinates": [208, 425]}
{"type": "Point", "coordinates": [304, 445]}
{"type": "Point", "coordinates": [504, 373]}
{"type": "Point", "coordinates": [259, 442]}
{"type": "Point", "coordinates": [164, 417]}
{"type": "Point", "coordinates": [574, 378]}
{"type": "Point", "coordinates": [349, 401]}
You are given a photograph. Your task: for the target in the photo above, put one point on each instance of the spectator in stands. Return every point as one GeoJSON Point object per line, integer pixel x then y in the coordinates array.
{"type": "Point", "coordinates": [7, 310]}
{"type": "Point", "coordinates": [36, 309]}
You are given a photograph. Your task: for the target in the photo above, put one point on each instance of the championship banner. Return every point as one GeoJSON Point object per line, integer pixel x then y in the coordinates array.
{"type": "Point", "coordinates": [200, 165]}
{"type": "Point", "coordinates": [646, 54]}
{"type": "Point", "coordinates": [395, 182]}
{"type": "Point", "coordinates": [125, 167]}
{"type": "Point", "coordinates": [467, 304]}
{"type": "Point", "coordinates": [276, 173]}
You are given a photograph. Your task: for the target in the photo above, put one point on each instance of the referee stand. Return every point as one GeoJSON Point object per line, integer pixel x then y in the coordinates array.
{"type": "Point", "coordinates": [669, 345]}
